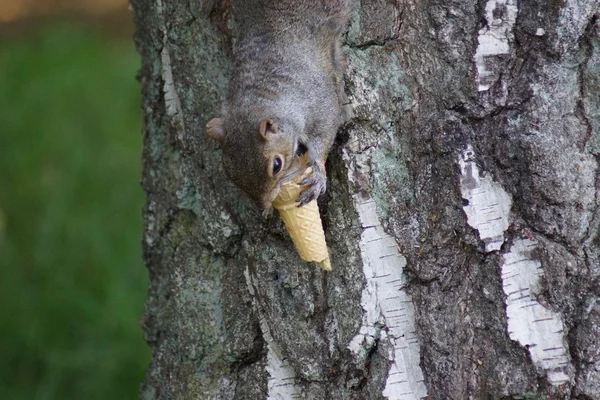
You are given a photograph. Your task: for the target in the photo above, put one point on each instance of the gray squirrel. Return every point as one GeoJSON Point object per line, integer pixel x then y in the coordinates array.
{"type": "Point", "coordinates": [285, 94]}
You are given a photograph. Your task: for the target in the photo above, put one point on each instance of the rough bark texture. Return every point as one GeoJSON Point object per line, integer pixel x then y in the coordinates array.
{"type": "Point", "coordinates": [461, 213]}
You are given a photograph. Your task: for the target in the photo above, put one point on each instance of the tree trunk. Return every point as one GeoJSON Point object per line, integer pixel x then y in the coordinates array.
{"type": "Point", "coordinates": [461, 213]}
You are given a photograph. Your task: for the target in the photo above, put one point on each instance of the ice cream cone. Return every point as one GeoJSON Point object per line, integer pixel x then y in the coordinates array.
{"type": "Point", "coordinates": [303, 223]}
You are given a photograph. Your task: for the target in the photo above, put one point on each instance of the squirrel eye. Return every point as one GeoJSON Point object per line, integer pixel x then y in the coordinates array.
{"type": "Point", "coordinates": [277, 164]}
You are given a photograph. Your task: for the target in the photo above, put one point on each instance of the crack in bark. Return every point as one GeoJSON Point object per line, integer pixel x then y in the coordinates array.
{"type": "Point", "coordinates": [256, 353]}
{"type": "Point", "coordinates": [586, 43]}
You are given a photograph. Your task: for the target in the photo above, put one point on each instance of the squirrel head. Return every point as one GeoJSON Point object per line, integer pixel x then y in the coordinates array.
{"type": "Point", "coordinates": [256, 157]}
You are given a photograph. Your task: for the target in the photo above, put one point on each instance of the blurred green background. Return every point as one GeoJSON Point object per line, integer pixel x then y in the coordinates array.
{"type": "Point", "coordinates": [72, 283]}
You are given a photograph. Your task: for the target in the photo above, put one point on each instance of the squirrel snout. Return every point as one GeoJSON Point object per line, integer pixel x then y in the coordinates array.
{"type": "Point", "coordinates": [264, 204]}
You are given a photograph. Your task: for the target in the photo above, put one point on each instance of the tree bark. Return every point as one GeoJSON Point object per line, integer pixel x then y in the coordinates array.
{"type": "Point", "coordinates": [461, 213]}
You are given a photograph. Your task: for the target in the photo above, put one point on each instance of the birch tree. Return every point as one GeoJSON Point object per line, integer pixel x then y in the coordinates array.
{"type": "Point", "coordinates": [461, 213]}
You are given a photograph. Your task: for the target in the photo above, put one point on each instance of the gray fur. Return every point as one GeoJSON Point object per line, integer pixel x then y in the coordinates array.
{"type": "Point", "coordinates": [287, 69]}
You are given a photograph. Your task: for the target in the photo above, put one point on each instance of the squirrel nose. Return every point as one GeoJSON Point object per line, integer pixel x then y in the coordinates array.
{"type": "Point", "coordinates": [264, 204]}
{"type": "Point", "coordinates": [266, 201]}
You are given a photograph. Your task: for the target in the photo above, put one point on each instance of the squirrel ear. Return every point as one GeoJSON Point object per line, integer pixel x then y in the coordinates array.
{"type": "Point", "coordinates": [215, 129]}
{"type": "Point", "coordinates": [267, 127]}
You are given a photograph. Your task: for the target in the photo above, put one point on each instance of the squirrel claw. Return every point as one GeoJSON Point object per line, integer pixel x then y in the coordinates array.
{"type": "Point", "coordinates": [316, 187]}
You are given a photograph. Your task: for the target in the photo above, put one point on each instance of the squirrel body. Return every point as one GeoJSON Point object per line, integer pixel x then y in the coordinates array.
{"type": "Point", "coordinates": [285, 94]}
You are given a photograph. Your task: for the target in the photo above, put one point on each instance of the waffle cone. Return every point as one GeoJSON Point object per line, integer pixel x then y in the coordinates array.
{"type": "Point", "coordinates": [303, 223]}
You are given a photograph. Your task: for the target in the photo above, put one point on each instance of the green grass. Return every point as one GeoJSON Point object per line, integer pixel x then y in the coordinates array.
{"type": "Point", "coordinates": [72, 284]}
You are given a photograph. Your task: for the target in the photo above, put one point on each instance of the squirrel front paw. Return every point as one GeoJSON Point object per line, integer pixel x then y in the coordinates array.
{"type": "Point", "coordinates": [316, 185]}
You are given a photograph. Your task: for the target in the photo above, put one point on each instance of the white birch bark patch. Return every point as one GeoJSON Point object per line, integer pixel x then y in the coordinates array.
{"type": "Point", "coordinates": [487, 203]}
{"type": "Point", "coordinates": [282, 377]}
{"type": "Point", "coordinates": [536, 328]}
{"type": "Point", "coordinates": [172, 103]}
{"type": "Point", "coordinates": [494, 40]}
{"type": "Point", "coordinates": [388, 310]}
